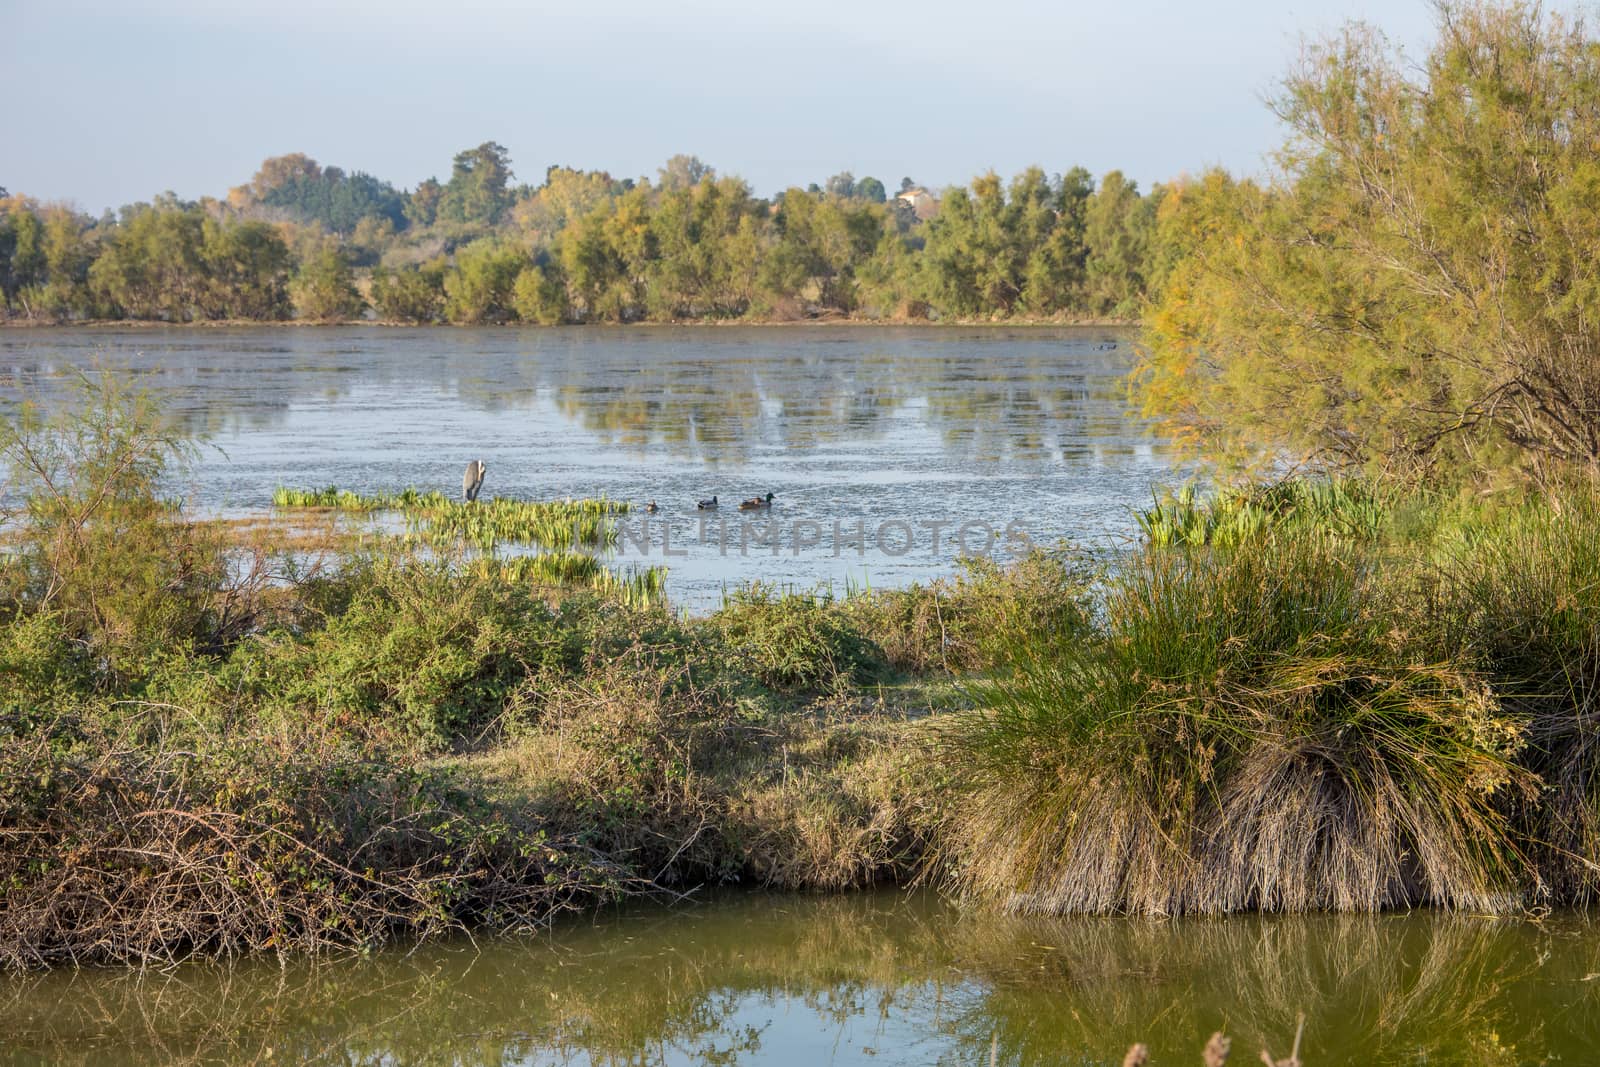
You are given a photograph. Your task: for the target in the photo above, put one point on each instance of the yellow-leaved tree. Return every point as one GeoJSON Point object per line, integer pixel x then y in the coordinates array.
{"type": "Point", "coordinates": [1419, 289]}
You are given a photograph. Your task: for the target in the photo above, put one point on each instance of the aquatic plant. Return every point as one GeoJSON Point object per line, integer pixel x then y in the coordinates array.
{"type": "Point", "coordinates": [483, 524]}
{"type": "Point", "coordinates": [1339, 507]}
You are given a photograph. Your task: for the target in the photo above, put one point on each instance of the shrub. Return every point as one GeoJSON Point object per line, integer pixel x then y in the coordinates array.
{"type": "Point", "coordinates": [122, 853]}
{"type": "Point", "coordinates": [794, 641]}
{"type": "Point", "coordinates": [963, 624]}
{"type": "Point", "coordinates": [119, 570]}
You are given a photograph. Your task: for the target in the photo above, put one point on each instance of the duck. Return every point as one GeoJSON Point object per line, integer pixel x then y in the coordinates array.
{"type": "Point", "coordinates": [757, 503]}
{"type": "Point", "coordinates": [707, 505]}
{"type": "Point", "coordinates": [651, 508]}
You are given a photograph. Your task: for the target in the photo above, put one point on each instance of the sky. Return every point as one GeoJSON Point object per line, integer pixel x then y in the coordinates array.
{"type": "Point", "coordinates": [111, 101]}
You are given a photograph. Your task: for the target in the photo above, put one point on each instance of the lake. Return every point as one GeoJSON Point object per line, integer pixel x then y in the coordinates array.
{"type": "Point", "coordinates": [891, 452]}
{"type": "Point", "coordinates": [871, 978]}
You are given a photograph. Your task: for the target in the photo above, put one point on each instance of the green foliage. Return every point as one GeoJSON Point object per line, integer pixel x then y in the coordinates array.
{"type": "Point", "coordinates": [1045, 246]}
{"type": "Point", "coordinates": [476, 191]}
{"type": "Point", "coordinates": [968, 623]}
{"type": "Point", "coordinates": [481, 523]}
{"type": "Point", "coordinates": [422, 649]}
{"type": "Point", "coordinates": [789, 640]}
{"type": "Point", "coordinates": [585, 247]}
{"type": "Point", "coordinates": [337, 200]}
{"type": "Point", "coordinates": [1523, 591]}
{"type": "Point", "coordinates": [480, 286]}
{"type": "Point", "coordinates": [410, 294]}
{"type": "Point", "coordinates": [539, 296]}
{"type": "Point", "coordinates": [1263, 727]}
{"type": "Point", "coordinates": [1336, 507]}
{"type": "Point", "coordinates": [1415, 297]}
{"type": "Point", "coordinates": [97, 558]}
{"type": "Point", "coordinates": [324, 288]}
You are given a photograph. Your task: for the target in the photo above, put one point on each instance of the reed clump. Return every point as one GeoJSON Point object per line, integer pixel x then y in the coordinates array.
{"type": "Point", "coordinates": [1291, 713]}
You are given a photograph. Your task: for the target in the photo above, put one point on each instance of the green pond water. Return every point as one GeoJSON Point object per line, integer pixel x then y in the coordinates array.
{"type": "Point", "coordinates": [873, 978]}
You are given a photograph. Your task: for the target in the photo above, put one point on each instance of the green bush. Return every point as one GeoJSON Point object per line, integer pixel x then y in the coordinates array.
{"type": "Point", "coordinates": [794, 641]}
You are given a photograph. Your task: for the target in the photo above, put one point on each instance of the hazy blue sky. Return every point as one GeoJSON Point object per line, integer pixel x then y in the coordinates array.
{"type": "Point", "coordinates": [110, 101]}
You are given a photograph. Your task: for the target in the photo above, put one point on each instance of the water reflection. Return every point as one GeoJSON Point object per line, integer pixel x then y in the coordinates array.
{"type": "Point", "coordinates": [872, 978]}
{"type": "Point", "coordinates": [841, 423]}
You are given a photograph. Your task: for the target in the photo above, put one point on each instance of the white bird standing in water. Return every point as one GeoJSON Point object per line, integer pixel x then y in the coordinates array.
{"type": "Point", "coordinates": [472, 481]}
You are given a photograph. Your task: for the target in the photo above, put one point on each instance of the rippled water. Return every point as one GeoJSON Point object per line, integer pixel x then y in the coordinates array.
{"type": "Point", "coordinates": [873, 978]}
{"type": "Point", "coordinates": [881, 431]}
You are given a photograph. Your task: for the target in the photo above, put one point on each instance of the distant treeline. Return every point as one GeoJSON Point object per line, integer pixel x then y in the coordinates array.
{"type": "Point", "coordinates": [305, 241]}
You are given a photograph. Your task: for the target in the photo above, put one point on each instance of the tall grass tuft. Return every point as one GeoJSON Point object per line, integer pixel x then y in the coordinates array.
{"type": "Point", "coordinates": [1523, 592]}
{"type": "Point", "coordinates": [1253, 728]}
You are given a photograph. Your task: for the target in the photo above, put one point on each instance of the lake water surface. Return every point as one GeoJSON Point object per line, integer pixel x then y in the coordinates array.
{"type": "Point", "coordinates": [872, 978]}
{"type": "Point", "coordinates": [877, 442]}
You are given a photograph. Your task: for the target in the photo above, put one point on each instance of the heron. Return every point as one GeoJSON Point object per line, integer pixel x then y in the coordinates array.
{"type": "Point", "coordinates": [472, 481]}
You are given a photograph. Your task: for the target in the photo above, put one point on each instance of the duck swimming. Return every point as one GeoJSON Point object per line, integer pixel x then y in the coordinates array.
{"type": "Point", "coordinates": [707, 505]}
{"type": "Point", "coordinates": [651, 507]}
{"type": "Point", "coordinates": [757, 503]}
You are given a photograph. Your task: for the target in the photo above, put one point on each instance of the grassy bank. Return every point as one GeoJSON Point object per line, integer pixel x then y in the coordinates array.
{"type": "Point", "coordinates": [1301, 698]}
{"type": "Point", "coordinates": [1288, 698]}
{"type": "Point", "coordinates": [209, 750]}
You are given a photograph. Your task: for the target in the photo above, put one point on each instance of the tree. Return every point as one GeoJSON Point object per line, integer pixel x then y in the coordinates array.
{"type": "Point", "coordinates": [1057, 266]}
{"type": "Point", "coordinates": [278, 171]}
{"type": "Point", "coordinates": [479, 287]}
{"type": "Point", "coordinates": [1418, 295]}
{"type": "Point", "coordinates": [476, 191]}
{"type": "Point", "coordinates": [152, 264]}
{"type": "Point", "coordinates": [1118, 228]}
{"type": "Point", "coordinates": [247, 265]}
{"type": "Point", "coordinates": [822, 240]}
{"type": "Point", "coordinates": [334, 199]}
{"type": "Point", "coordinates": [841, 184]}
{"type": "Point", "coordinates": [871, 189]}
{"type": "Point", "coordinates": [681, 172]}
{"type": "Point", "coordinates": [422, 204]}
{"type": "Point", "coordinates": [324, 288]}
{"type": "Point", "coordinates": [410, 294]}
{"type": "Point", "coordinates": [565, 196]}
{"type": "Point", "coordinates": [540, 296]}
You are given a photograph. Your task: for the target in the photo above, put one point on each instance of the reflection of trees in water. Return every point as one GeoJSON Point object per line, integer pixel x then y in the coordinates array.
{"type": "Point", "coordinates": [722, 409]}
{"type": "Point", "coordinates": [704, 394]}
{"type": "Point", "coordinates": [1374, 989]}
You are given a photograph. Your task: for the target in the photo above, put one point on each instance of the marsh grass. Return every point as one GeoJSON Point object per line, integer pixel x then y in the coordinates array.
{"type": "Point", "coordinates": [1256, 728]}
{"type": "Point", "coordinates": [1523, 593]}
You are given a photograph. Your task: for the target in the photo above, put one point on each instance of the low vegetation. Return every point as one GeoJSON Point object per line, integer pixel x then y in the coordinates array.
{"type": "Point", "coordinates": [1302, 696]}
{"type": "Point", "coordinates": [207, 750]}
